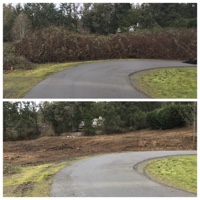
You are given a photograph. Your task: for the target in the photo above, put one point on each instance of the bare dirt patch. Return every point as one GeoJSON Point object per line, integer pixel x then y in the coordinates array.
{"type": "Point", "coordinates": [24, 187]}
{"type": "Point", "coordinates": [63, 148]}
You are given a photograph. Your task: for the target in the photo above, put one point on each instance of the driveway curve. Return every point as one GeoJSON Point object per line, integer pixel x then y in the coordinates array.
{"type": "Point", "coordinates": [113, 175]}
{"type": "Point", "coordinates": [98, 80]}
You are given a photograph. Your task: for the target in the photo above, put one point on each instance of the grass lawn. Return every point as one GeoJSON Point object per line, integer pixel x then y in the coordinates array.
{"type": "Point", "coordinates": [168, 82]}
{"type": "Point", "coordinates": [30, 181]}
{"type": "Point", "coordinates": [17, 83]}
{"type": "Point", "coordinates": [177, 171]}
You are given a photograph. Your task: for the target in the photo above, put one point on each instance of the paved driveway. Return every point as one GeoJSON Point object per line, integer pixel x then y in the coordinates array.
{"type": "Point", "coordinates": [97, 80]}
{"type": "Point", "coordinates": [113, 175]}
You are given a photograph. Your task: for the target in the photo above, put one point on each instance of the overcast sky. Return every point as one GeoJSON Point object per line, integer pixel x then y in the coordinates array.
{"type": "Point", "coordinates": [102, 1]}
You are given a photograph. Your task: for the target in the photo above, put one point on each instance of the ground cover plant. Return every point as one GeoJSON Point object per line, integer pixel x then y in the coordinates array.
{"type": "Point", "coordinates": [168, 83]}
{"type": "Point", "coordinates": [178, 171]}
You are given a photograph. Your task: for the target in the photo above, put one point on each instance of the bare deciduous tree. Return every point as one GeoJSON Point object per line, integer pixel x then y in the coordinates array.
{"type": "Point", "coordinates": [21, 27]}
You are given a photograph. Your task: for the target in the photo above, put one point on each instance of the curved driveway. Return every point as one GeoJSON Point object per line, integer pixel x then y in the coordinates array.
{"type": "Point", "coordinates": [98, 80]}
{"type": "Point", "coordinates": [113, 175]}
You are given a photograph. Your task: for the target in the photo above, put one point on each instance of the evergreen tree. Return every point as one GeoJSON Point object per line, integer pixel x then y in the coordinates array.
{"type": "Point", "coordinates": [121, 17]}
{"type": "Point", "coordinates": [112, 121]}
{"type": "Point", "coordinates": [8, 20]}
{"type": "Point", "coordinates": [20, 120]}
{"type": "Point", "coordinates": [98, 19]}
{"type": "Point", "coordinates": [42, 14]}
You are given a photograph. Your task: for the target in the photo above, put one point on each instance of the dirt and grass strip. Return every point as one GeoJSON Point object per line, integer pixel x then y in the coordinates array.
{"type": "Point", "coordinates": [18, 82]}
{"type": "Point", "coordinates": [168, 82]}
{"type": "Point", "coordinates": [30, 181]}
{"type": "Point", "coordinates": [176, 171]}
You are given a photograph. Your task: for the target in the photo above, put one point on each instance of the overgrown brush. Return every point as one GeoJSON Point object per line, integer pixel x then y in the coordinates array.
{"type": "Point", "coordinates": [59, 45]}
{"type": "Point", "coordinates": [13, 61]}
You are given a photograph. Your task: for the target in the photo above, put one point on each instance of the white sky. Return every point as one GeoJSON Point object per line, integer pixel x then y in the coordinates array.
{"type": "Point", "coordinates": [102, 1]}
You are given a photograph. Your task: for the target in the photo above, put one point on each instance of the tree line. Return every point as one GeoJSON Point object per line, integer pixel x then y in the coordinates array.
{"type": "Point", "coordinates": [26, 120]}
{"type": "Point", "coordinates": [98, 18]}
{"type": "Point", "coordinates": [67, 32]}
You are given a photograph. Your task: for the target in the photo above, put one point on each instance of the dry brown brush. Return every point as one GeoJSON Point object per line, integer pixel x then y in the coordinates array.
{"type": "Point", "coordinates": [59, 45]}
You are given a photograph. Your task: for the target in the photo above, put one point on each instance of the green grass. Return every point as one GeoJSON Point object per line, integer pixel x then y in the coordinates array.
{"type": "Point", "coordinates": [30, 181]}
{"type": "Point", "coordinates": [168, 82]}
{"type": "Point", "coordinates": [17, 83]}
{"type": "Point", "coordinates": [176, 171]}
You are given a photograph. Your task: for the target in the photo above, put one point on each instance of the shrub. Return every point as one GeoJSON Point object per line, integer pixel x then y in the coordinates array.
{"type": "Point", "coordinates": [112, 124]}
{"type": "Point", "coordinates": [170, 117]}
{"type": "Point", "coordinates": [56, 44]}
{"type": "Point", "coordinates": [12, 60]}
{"type": "Point", "coordinates": [189, 113]}
{"type": "Point", "coordinates": [166, 118]}
{"type": "Point", "coordinates": [88, 128]}
{"type": "Point", "coordinates": [20, 62]}
{"type": "Point", "coordinates": [153, 120]}
{"type": "Point", "coordinates": [139, 121]}
{"type": "Point", "coordinates": [21, 132]}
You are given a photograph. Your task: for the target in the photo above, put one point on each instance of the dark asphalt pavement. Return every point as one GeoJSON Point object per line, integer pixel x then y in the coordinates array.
{"type": "Point", "coordinates": [113, 175]}
{"type": "Point", "coordinates": [98, 80]}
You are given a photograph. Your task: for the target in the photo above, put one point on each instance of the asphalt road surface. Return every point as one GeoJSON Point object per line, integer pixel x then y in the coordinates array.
{"type": "Point", "coordinates": [98, 80]}
{"type": "Point", "coordinates": [113, 175]}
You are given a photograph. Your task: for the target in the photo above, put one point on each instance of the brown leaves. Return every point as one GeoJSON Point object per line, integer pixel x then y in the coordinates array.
{"type": "Point", "coordinates": [59, 45]}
